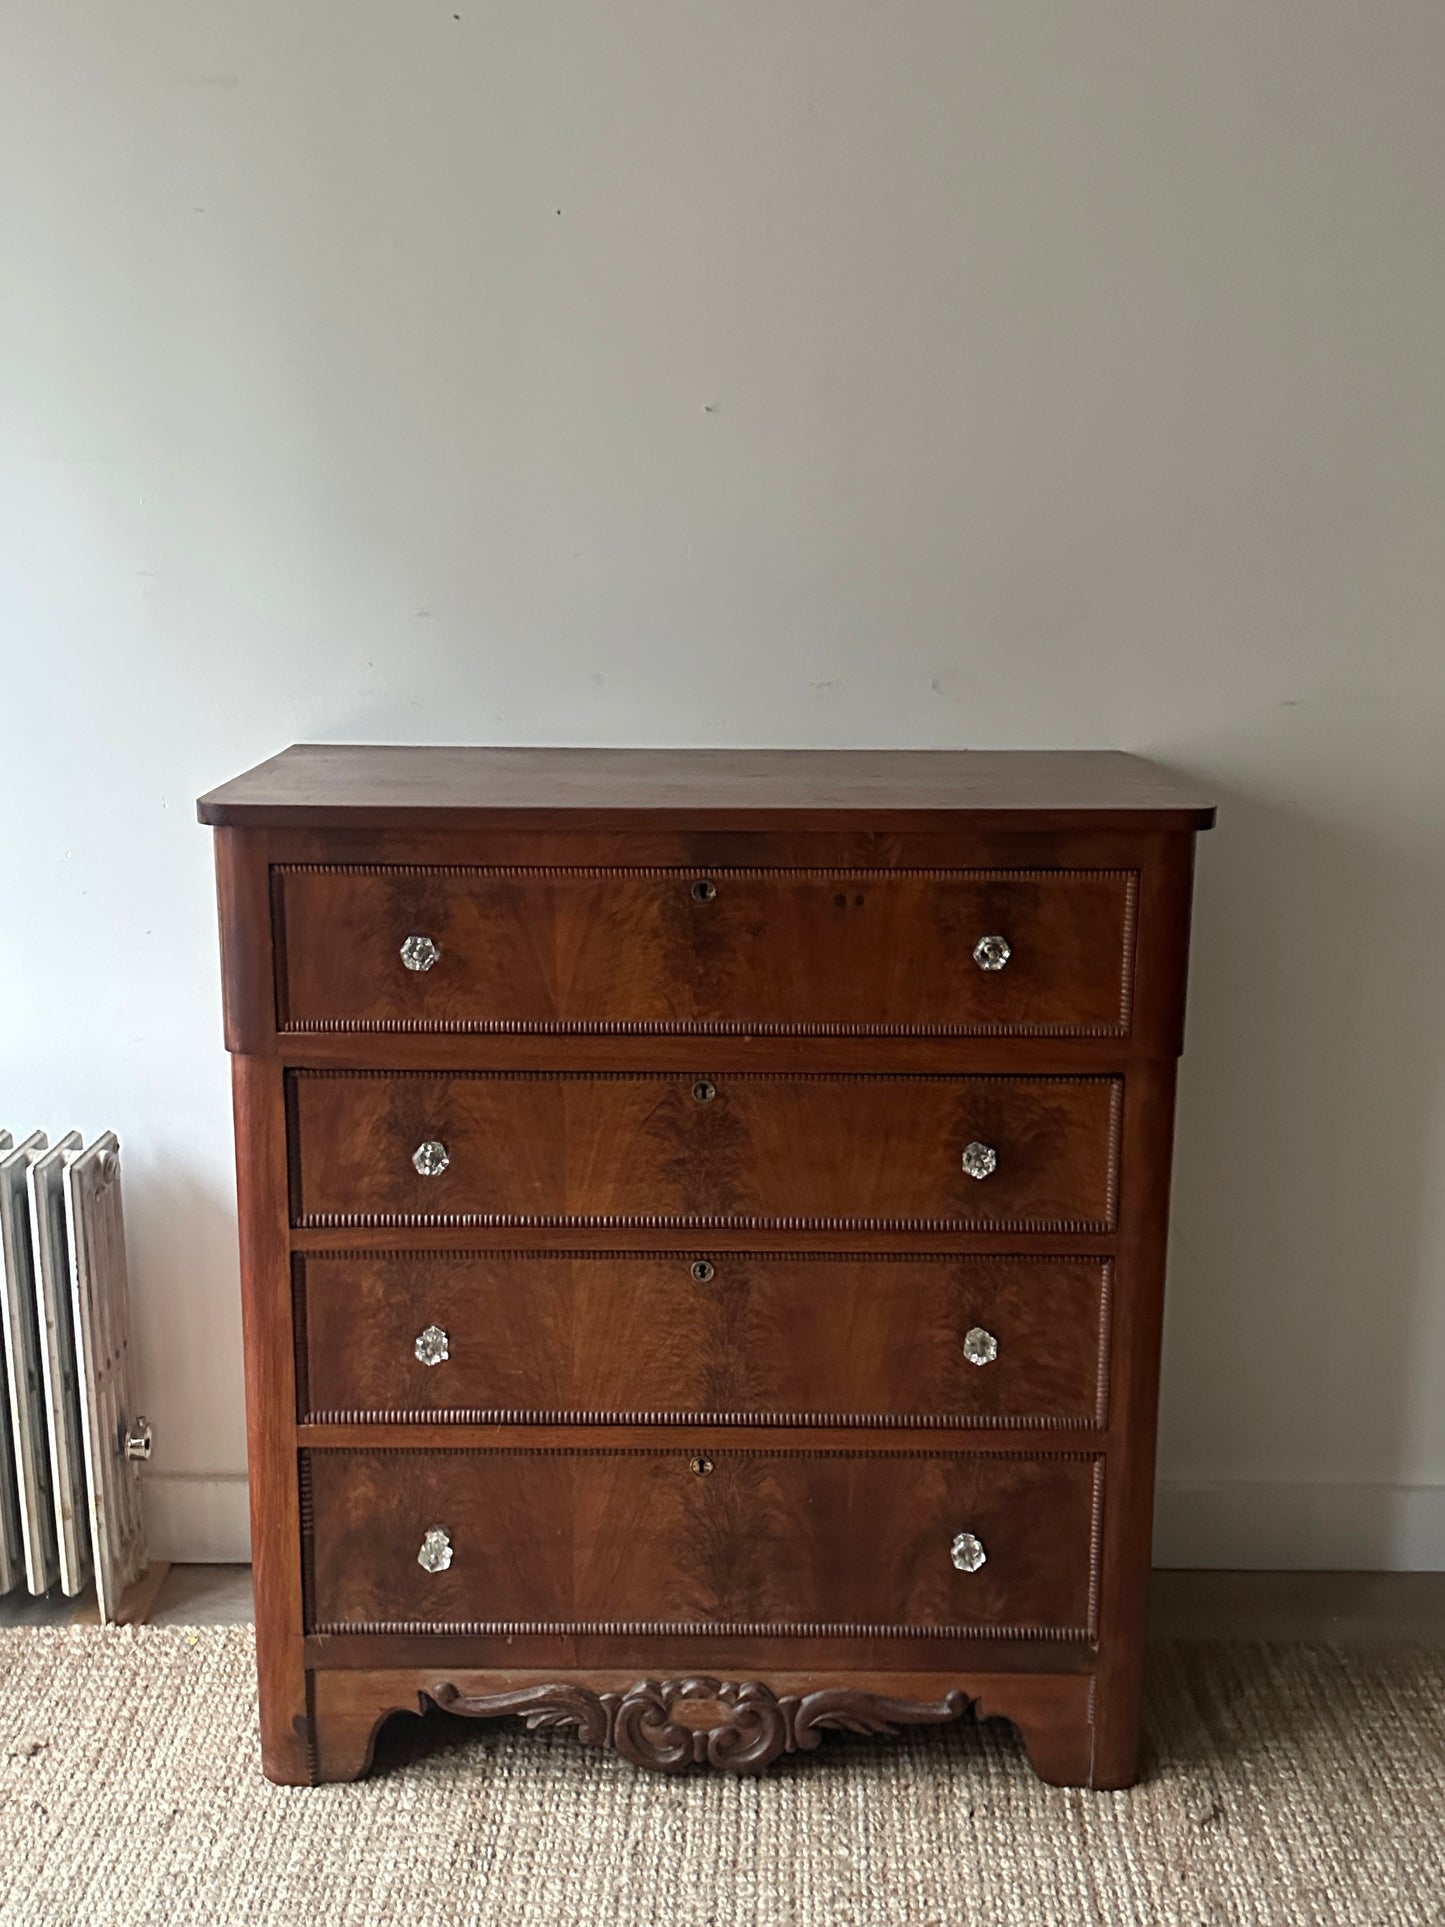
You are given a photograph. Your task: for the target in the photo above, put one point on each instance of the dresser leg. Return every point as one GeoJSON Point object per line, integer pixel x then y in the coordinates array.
{"type": "Point", "coordinates": [1060, 1749]}
{"type": "Point", "coordinates": [1052, 1715]}
{"type": "Point", "coordinates": [285, 1734]}
{"type": "Point", "coordinates": [348, 1710]}
{"type": "Point", "coordinates": [1117, 1711]}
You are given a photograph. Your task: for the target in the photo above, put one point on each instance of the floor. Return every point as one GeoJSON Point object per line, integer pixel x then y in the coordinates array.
{"type": "Point", "coordinates": [1345, 1608]}
{"type": "Point", "coordinates": [189, 1596]}
{"type": "Point", "coordinates": [1287, 1785]}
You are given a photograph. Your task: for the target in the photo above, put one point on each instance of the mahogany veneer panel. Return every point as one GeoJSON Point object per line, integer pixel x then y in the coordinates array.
{"type": "Point", "coordinates": [867, 951]}
{"type": "Point", "coordinates": [635, 1149]}
{"type": "Point", "coordinates": [757, 1336]}
{"type": "Point", "coordinates": [702, 1515]}
{"type": "Point", "coordinates": [641, 1541]}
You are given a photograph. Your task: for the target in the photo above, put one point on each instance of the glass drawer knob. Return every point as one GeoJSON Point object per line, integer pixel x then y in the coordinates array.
{"type": "Point", "coordinates": [436, 1550]}
{"type": "Point", "coordinates": [432, 1348]}
{"type": "Point", "coordinates": [980, 1160]}
{"type": "Point", "coordinates": [991, 953]}
{"type": "Point", "coordinates": [967, 1552]}
{"type": "Point", "coordinates": [420, 953]}
{"type": "Point", "coordinates": [431, 1158]}
{"type": "Point", "coordinates": [979, 1347]}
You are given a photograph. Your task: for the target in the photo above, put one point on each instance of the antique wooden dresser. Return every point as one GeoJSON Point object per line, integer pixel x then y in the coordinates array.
{"type": "Point", "coordinates": [702, 1227]}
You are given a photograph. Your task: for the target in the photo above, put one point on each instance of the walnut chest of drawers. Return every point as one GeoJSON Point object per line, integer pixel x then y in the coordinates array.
{"type": "Point", "coordinates": [702, 1226]}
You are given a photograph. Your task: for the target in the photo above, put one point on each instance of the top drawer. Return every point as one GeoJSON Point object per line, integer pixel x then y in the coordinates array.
{"type": "Point", "coordinates": [865, 952]}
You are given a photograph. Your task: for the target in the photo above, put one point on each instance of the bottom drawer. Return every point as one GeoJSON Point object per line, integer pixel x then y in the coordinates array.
{"type": "Point", "coordinates": [712, 1539]}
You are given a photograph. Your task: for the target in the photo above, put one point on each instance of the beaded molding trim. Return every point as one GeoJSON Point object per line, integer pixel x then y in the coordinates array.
{"type": "Point", "coordinates": [695, 1629]}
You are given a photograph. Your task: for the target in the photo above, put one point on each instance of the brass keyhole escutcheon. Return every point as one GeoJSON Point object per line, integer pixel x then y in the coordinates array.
{"type": "Point", "coordinates": [702, 1270]}
{"type": "Point", "coordinates": [703, 1091]}
{"type": "Point", "coordinates": [703, 890]}
{"type": "Point", "coordinates": [700, 1465]}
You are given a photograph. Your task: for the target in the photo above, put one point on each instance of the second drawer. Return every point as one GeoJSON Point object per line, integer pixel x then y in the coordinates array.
{"type": "Point", "coordinates": [741, 1336]}
{"type": "Point", "coordinates": [746, 1149]}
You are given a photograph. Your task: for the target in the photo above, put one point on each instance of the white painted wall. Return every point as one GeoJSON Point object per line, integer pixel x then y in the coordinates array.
{"type": "Point", "coordinates": [778, 371]}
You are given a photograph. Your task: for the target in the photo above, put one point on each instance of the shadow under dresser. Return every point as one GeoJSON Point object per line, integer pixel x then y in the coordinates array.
{"type": "Point", "coordinates": [702, 1227]}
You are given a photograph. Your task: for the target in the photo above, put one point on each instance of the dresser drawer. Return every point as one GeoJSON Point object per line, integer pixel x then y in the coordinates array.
{"type": "Point", "coordinates": [638, 1336]}
{"type": "Point", "coordinates": [715, 1538]}
{"type": "Point", "coordinates": [766, 1150]}
{"type": "Point", "coordinates": [867, 951]}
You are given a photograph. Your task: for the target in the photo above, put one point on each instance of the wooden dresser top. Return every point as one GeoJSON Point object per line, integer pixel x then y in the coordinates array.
{"type": "Point", "coordinates": [326, 785]}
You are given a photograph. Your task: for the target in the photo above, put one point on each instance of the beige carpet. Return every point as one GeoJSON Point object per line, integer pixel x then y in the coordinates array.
{"type": "Point", "coordinates": [1288, 1785]}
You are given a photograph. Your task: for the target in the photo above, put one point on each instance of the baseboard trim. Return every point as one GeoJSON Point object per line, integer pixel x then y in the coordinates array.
{"type": "Point", "coordinates": [198, 1518]}
{"type": "Point", "coordinates": [1247, 1525]}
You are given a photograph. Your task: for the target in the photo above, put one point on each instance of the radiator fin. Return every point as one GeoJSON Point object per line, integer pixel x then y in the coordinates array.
{"type": "Point", "coordinates": [59, 1367]}
{"type": "Point", "coordinates": [25, 1391]}
{"type": "Point", "coordinates": [101, 1304]}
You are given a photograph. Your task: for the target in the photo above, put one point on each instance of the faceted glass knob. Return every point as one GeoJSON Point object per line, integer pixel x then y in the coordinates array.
{"type": "Point", "coordinates": [431, 1346]}
{"type": "Point", "coordinates": [966, 1552]}
{"type": "Point", "coordinates": [420, 953]}
{"type": "Point", "coordinates": [436, 1550]}
{"type": "Point", "coordinates": [991, 953]}
{"type": "Point", "coordinates": [979, 1347]}
{"type": "Point", "coordinates": [980, 1160]}
{"type": "Point", "coordinates": [431, 1158]}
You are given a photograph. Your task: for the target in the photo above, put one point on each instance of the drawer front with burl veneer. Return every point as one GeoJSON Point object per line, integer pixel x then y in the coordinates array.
{"type": "Point", "coordinates": [709, 1539]}
{"type": "Point", "coordinates": [869, 952]}
{"type": "Point", "coordinates": [764, 1150]}
{"type": "Point", "coordinates": [728, 1337]}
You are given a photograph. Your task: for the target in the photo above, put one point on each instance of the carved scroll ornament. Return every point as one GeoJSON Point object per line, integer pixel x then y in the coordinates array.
{"type": "Point", "coordinates": [670, 1725]}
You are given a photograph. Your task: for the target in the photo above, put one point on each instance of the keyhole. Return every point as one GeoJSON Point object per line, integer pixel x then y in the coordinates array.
{"type": "Point", "coordinates": [701, 1270]}
{"type": "Point", "coordinates": [701, 1466]}
{"type": "Point", "coordinates": [703, 1091]}
{"type": "Point", "coordinates": [704, 891]}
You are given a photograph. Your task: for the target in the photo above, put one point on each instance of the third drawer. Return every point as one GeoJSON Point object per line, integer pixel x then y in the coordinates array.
{"type": "Point", "coordinates": [740, 1337]}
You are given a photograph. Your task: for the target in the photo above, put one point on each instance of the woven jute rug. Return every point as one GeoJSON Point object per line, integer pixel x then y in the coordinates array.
{"type": "Point", "coordinates": [1286, 1784]}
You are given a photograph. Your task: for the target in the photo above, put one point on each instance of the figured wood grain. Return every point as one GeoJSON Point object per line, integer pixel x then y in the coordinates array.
{"type": "Point", "coordinates": [812, 1542]}
{"type": "Point", "coordinates": [641, 1337]}
{"type": "Point", "coordinates": [872, 952]}
{"type": "Point", "coordinates": [778, 1151]}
